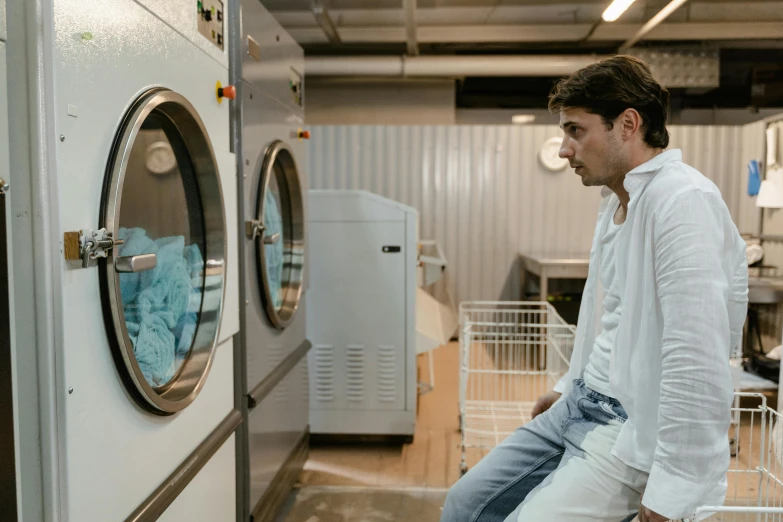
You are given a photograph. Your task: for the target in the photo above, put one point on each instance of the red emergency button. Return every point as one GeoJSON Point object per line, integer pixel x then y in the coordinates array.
{"type": "Point", "coordinates": [304, 135]}
{"type": "Point", "coordinates": [229, 91]}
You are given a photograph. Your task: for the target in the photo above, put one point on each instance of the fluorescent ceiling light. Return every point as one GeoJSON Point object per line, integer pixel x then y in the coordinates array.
{"type": "Point", "coordinates": [523, 118]}
{"type": "Point", "coordinates": [617, 8]}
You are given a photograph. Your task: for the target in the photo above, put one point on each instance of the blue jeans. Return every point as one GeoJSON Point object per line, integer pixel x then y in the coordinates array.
{"type": "Point", "coordinates": [558, 467]}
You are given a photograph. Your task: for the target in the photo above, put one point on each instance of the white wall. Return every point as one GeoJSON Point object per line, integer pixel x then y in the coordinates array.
{"type": "Point", "coordinates": [379, 102]}
{"type": "Point", "coordinates": [483, 195]}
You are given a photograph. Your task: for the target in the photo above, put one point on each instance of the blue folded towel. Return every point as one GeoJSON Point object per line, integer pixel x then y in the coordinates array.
{"type": "Point", "coordinates": [161, 305]}
{"type": "Point", "coordinates": [754, 179]}
{"type": "Point", "coordinates": [273, 253]}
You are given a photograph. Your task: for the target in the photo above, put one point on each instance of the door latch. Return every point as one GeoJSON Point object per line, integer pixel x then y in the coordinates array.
{"type": "Point", "coordinates": [88, 246]}
{"type": "Point", "coordinates": [254, 228]}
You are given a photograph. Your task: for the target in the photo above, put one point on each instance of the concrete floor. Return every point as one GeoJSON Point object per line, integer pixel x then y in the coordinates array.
{"type": "Point", "coordinates": [357, 504]}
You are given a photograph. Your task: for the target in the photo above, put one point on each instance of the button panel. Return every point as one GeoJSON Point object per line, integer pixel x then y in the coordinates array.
{"type": "Point", "coordinates": [295, 84]}
{"type": "Point", "coordinates": [210, 16]}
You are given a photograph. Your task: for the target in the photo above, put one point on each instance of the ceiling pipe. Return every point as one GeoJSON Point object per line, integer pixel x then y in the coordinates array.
{"type": "Point", "coordinates": [447, 66]}
{"type": "Point", "coordinates": [321, 14]}
{"type": "Point", "coordinates": [410, 27]}
{"type": "Point", "coordinates": [662, 15]}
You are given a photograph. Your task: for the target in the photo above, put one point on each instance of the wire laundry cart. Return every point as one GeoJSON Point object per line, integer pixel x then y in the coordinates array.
{"type": "Point", "coordinates": [510, 354]}
{"type": "Point", "coordinates": [755, 477]}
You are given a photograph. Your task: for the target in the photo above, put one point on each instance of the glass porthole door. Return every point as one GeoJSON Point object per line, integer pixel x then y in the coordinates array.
{"type": "Point", "coordinates": [278, 231]}
{"type": "Point", "coordinates": [162, 288]}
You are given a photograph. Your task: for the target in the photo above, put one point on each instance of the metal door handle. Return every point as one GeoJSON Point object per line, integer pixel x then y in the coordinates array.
{"type": "Point", "coordinates": [271, 240]}
{"type": "Point", "coordinates": [253, 228]}
{"type": "Point", "coordinates": [133, 264]}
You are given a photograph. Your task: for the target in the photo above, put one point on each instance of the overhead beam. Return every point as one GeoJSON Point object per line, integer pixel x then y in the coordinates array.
{"type": "Point", "coordinates": [549, 12]}
{"type": "Point", "coordinates": [321, 14]}
{"type": "Point", "coordinates": [446, 66]}
{"type": "Point", "coordinates": [547, 33]}
{"type": "Point", "coordinates": [410, 27]}
{"type": "Point", "coordinates": [662, 15]}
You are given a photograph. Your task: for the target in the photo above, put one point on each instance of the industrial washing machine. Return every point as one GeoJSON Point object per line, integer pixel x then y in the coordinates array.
{"type": "Point", "coordinates": [134, 259]}
{"type": "Point", "coordinates": [269, 75]}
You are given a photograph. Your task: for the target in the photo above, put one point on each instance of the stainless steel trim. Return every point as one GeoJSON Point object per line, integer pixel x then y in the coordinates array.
{"type": "Point", "coordinates": [155, 505]}
{"type": "Point", "coordinates": [136, 263]}
{"type": "Point", "coordinates": [183, 388]}
{"type": "Point", "coordinates": [7, 447]}
{"type": "Point", "coordinates": [235, 56]}
{"type": "Point", "coordinates": [268, 506]}
{"type": "Point", "coordinates": [292, 202]}
{"type": "Point", "coordinates": [263, 388]}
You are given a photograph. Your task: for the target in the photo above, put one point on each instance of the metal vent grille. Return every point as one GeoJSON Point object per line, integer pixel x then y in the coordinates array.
{"type": "Point", "coordinates": [354, 372]}
{"type": "Point", "coordinates": [324, 373]}
{"type": "Point", "coordinates": [387, 373]}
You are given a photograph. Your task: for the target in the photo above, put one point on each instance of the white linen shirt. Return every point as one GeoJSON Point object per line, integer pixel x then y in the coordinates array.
{"type": "Point", "coordinates": [684, 301]}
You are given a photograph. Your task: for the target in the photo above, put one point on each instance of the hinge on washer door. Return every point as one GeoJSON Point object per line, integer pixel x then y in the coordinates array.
{"type": "Point", "coordinates": [88, 246]}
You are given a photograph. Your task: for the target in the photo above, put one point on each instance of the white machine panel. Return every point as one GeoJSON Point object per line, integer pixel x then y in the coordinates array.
{"type": "Point", "coordinates": [117, 453]}
{"type": "Point", "coordinates": [355, 205]}
{"type": "Point", "coordinates": [361, 314]}
{"type": "Point", "coordinates": [274, 61]}
{"type": "Point", "coordinates": [364, 333]}
{"type": "Point", "coordinates": [184, 16]}
{"type": "Point", "coordinates": [216, 482]}
{"type": "Point", "coordinates": [275, 427]}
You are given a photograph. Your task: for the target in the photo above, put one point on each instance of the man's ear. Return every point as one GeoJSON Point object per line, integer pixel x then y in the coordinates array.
{"type": "Point", "coordinates": [630, 123]}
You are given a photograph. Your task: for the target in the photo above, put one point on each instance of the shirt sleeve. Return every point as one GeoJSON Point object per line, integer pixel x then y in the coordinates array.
{"type": "Point", "coordinates": [693, 240]}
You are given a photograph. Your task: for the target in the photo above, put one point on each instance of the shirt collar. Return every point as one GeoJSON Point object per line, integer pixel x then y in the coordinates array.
{"type": "Point", "coordinates": [641, 174]}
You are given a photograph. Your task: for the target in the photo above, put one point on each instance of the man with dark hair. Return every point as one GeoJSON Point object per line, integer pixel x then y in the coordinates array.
{"type": "Point", "coordinates": [640, 422]}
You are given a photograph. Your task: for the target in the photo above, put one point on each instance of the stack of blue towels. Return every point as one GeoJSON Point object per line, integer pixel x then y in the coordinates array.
{"type": "Point", "coordinates": [273, 253]}
{"type": "Point", "coordinates": [161, 305]}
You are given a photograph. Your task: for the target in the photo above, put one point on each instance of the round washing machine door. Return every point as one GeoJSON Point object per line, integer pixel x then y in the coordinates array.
{"type": "Point", "coordinates": [279, 235]}
{"type": "Point", "coordinates": [162, 288]}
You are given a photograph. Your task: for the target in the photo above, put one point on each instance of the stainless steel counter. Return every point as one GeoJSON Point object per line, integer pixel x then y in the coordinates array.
{"type": "Point", "coordinates": [554, 266]}
{"type": "Point", "coordinates": [765, 290]}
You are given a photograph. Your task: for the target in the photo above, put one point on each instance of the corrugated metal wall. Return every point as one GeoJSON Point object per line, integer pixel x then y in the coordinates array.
{"type": "Point", "coordinates": [484, 197]}
{"type": "Point", "coordinates": [749, 215]}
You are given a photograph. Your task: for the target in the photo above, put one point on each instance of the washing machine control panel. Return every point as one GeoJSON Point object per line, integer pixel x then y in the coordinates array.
{"type": "Point", "coordinates": [210, 20]}
{"type": "Point", "coordinates": [297, 89]}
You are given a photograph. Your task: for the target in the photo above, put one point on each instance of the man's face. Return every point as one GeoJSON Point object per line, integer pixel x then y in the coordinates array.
{"type": "Point", "coordinates": [592, 149]}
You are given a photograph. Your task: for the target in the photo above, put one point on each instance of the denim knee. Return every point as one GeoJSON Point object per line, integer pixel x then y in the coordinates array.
{"type": "Point", "coordinates": [460, 503]}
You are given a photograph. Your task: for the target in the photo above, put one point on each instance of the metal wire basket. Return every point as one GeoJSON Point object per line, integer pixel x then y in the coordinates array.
{"type": "Point", "coordinates": [510, 354]}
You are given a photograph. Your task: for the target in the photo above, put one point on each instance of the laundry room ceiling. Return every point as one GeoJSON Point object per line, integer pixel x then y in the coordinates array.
{"type": "Point", "coordinates": [747, 33]}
